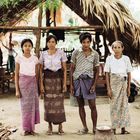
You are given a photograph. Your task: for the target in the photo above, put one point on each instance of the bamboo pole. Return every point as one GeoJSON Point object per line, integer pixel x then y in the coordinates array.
{"type": "Point", "coordinates": [38, 32]}
{"type": "Point", "coordinates": [115, 34]}
{"type": "Point", "coordinates": [17, 28]}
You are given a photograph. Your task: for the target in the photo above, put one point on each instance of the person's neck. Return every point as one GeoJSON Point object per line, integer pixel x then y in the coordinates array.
{"type": "Point", "coordinates": [87, 50]}
{"type": "Point", "coordinates": [52, 51]}
{"type": "Point", "coordinates": [27, 55]}
{"type": "Point", "coordinates": [118, 56]}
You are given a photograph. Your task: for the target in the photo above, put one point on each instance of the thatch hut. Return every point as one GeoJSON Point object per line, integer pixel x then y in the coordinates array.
{"type": "Point", "coordinates": [114, 18]}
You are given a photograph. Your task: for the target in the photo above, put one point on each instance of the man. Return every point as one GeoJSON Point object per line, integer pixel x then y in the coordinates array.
{"type": "Point", "coordinates": [84, 75]}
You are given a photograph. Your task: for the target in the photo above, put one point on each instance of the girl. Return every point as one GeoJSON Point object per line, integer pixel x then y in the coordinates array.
{"type": "Point", "coordinates": [26, 87]}
{"type": "Point", "coordinates": [118, 77]}
{"type": "Point", "coordinates": [53, 63]}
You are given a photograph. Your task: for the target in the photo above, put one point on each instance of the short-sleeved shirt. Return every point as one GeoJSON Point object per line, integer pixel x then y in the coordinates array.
{"type": "Point", "coordinates": [52, 62]}
{"type": "Point", "coordinates": [120, 66]}
{"type": "Point", "coordinates": [27, 65]}
{"type": "Point", "coordinates": [84, 65]}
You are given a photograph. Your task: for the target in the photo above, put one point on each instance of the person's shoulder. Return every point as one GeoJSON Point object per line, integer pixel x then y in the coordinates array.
{"type": "Point", "coordinates": [44, 52]}
{"type": "Point", "coordinates": [19, 56]}
{"type": "Point", "coordinates": [110, 57]}
{"type": "Point", "coordinates": [76, 51]}
{"type": "Point", "coordinates": [60, 50]}
{"type": "Point", "coordinates": [94, 52]}
{"type": "Point", "coordinates": [125, 57]}
{"type": "Point", "coordinates": [34, 56]}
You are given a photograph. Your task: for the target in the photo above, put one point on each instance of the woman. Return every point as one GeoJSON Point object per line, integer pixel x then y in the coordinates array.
{"type": "Point", "coordinates": [118, 76]}
{"type": "Point", "coordinates": [26, 87]}
{"type": "Point", "coordinates": [53, 64]}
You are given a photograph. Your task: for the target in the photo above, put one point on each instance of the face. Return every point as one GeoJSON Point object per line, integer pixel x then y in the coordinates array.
{"type": "Point", "coordinates": [117, 48]}
{"type": "Point", "coordinates": [86, 44]}
{"type": "Point", "coordinates": [27, 47]}
{"type": "Point", "coordinates": [51, 43]}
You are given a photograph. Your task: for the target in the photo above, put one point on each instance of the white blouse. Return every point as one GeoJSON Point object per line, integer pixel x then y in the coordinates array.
{"type": "Point", "coordinates": [27, 65]}
{"type": "Point", "coordinates": [120, 66]}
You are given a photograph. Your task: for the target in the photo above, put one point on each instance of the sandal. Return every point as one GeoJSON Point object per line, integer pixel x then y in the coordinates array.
{"type": "Point", "coordinates": [49, 132]}
{"type": "Point", "coordinates": [94, 132]}
{"type": "Point", "coordinates": [60, 132]}
{"type": "Point", "coordinates": [124, 132]}
{"type": "Point", "coordinates": [114, 131]}
{"type": "Point", "coordinates": [33, 133]}
{"type": "Point", "coordinates": [82, 131]}
{"type": "Point", "coordinates": [26, 133]}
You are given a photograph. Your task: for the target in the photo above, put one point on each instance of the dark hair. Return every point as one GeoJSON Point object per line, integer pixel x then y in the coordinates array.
{"type": "Point", "coordinates": [85, 35]}
{"type": "Point", "coordinates": [24, 41]}
{"type": "Point", "coordinates": [117, 41]}
{"type": "Point", "coordinates": [50, 37]}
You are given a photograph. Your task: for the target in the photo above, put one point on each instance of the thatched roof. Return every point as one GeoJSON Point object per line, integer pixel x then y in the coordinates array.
{"type": "Point", "coordinates": [114, 17]}
{"type": "Point", "coordinates": [116, 20]}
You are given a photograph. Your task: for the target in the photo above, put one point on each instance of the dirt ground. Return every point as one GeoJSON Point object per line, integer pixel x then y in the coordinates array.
{"type": "Point", "coordinates": [10, 116]}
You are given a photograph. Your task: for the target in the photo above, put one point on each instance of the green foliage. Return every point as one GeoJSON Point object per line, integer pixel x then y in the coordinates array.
{"type": "Point", "coordinates": [53, 4]}
{"type": "Point", "coordinates": [7, 3]}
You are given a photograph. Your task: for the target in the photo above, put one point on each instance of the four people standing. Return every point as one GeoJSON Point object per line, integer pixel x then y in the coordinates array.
{"type": "Point", "coordinates": [84, 75]}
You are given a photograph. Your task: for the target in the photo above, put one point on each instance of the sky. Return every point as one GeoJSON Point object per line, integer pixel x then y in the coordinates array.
{"type": "Point", "coordinates": [134, 6]}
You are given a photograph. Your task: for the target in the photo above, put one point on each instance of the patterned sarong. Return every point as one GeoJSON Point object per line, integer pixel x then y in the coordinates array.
{"type": "Point", "coordinates": [82, 87]}
{"type": "Point", "coordinates": [119, 104]}
{"type": "Point", "coordinates": [29, 102]}
{"type": "Point", "coordinates": [54, 98]}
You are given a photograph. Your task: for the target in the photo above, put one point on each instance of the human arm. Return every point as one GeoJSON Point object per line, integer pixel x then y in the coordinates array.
{"type": "Point", "coordinates": [95, 71]}
{"type": "Point", "coordinates": [37, 71]}
{"type": "Point", "coordinates": [17, 67]}
{"type": "Point", "coordinates": [72, 68]}
{"type": "Point", "coordinates": [96, 75]}
{"type": "Point", "coordinates": [64, 76]}
{"type": "Point", "coordinates": [41, 79]}
{"type": "Point", "coordinates": [109, 91]}
{"type": "Point", "coordinates": [128, 83]}
{"type": "Point", "coordinates": [4, 45]}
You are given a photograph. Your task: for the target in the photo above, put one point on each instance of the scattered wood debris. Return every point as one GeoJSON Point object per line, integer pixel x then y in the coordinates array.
{"type": "Point", "coordinates": [5, 132]}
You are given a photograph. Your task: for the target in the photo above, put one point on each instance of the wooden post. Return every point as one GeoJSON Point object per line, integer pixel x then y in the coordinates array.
{"type": "Point", "coordinates": [115, 34]}
{"type": "Point", "coordinates": [105, 46]}
{"type": "Point", "coordinates": [38, 32]}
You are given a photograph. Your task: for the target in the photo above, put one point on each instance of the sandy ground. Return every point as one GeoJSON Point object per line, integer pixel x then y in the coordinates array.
{"type": "Point", "coordinates": [10, 115]}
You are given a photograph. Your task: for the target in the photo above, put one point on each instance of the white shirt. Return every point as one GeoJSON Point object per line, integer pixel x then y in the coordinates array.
{"type": "Point", "coordinates": [27, 65]}
{"type": "Point", "coordinates": [120, 66]}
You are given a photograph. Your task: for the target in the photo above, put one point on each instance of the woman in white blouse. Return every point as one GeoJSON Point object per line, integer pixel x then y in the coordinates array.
{"type": "Point", "coordinates": [118, 76]}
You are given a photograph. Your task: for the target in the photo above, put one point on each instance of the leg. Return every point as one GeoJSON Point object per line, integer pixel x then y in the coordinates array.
{"type": "Point", "coordinates": [92, 106]}
{"type": "Point", "coordinates": [60, 129]}
{"type": "Point", "coordinates": [49, 132]}
{"type": "Point", "coordinates": [123, 131]}
{"type": "Point", "coordinates": [82, 112]}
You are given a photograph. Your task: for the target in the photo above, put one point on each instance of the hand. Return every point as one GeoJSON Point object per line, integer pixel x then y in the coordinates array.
{"type": "Point", "coordinates": [42, 96]}
{"type": "Point", "coordinates": [71, 90]}
{"type": "Point", "coordinates": [18, 95]}
{"type": "Point", "coordinates": [64, 88]}
{"type": "Point", "coordinates": [92, 89]}
{"type": "Point", "coordinates": [128, 92]}
{"type": "Point", "coordinates": [109, 93]}
{"type": "Point", "coordinates": [42, 89]}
